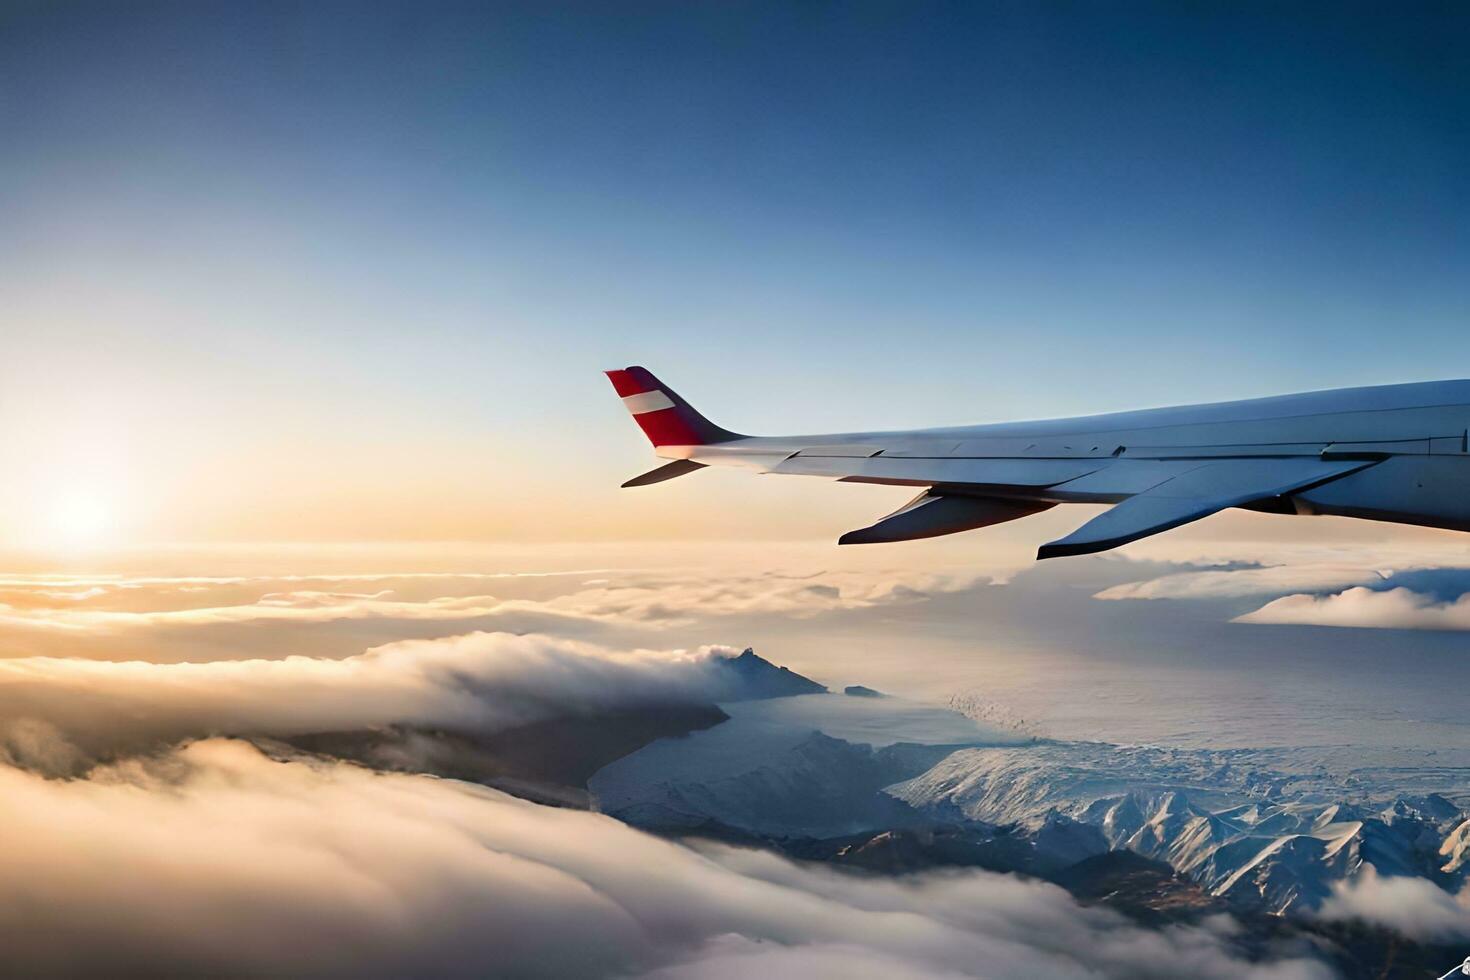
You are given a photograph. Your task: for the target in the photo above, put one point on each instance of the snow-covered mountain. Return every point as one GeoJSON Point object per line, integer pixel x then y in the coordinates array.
{"type": "Point", "coordinates": [1227, 826]}
{"type": "Point", "coordinates": [827, 766]}
{"type": "Point", "coordinates": [807, 766]}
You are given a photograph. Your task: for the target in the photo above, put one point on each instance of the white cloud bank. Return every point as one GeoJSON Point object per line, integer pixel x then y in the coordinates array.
{"type": "Point", "coordinates": [59, 714]}
{"type": "Point", "coordinates": [1242, 582]}
{"type": "Point", "coordinates": [1363, 608]}
{"type": "Point", "coordinates": [214, 860]}
{"type": "Point", "coordinates": [1412, 907]}
{"type": "Point", "coordinates": [1317, 590]}
{"type": "Point", "coordinates": [79, 608]}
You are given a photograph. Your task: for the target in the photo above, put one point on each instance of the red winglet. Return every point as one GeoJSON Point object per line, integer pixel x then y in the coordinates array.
{"type": "Point", "coordinates": [624, 383]}
{"type": "Point", "coordinates": [664, 417]}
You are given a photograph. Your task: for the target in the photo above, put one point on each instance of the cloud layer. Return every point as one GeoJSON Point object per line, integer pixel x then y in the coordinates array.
{"type": "Point", "coordinates": [60, 715]}
{"type": "Point", "coordinates": [204, 617]}
{"type": "Point", "coordinates": [217, 860]}
{"type": "Point", "coordinates": [1238, 582]}
{"type": "Point", "coordinates": [1366, 589]}
{"type": "Point", "coordinates": [1363, 608]}
{"type": "Point", "coordinates": [1412, 907]}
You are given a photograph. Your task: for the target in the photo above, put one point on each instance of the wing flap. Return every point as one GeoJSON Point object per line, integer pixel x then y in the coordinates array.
{"type": "Point", "coordinates": [1197, 493]}
{"type": "Point", "coordinates": [665, 472]}
{"type": "Point", "coordinates": [1123, 478]}
{"type": "Point", "coordinates": [929, 515]}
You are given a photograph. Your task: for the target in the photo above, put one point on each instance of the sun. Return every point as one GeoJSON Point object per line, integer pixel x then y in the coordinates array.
{"type": "Point", "coordinates": [78, 518]}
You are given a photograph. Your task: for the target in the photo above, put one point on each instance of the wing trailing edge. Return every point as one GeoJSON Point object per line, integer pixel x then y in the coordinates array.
{"type": "Point", "coordinates": [1198, 493]}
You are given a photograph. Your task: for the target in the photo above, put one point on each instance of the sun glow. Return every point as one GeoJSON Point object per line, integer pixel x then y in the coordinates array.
{"type": "Point", "coordinates": [78, 518]}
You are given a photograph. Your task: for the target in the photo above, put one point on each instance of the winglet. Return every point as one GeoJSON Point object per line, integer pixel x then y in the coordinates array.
{"type": "Point", "coordinates": [664, 417]}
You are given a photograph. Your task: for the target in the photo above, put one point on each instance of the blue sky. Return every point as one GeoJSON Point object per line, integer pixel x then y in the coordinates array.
{"type": "Point", "coordinates": [381, 221]}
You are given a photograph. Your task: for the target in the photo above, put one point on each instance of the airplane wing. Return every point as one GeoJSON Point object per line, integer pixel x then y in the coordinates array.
{"type": "Point", "coordinates": [1196, 493]}
{"type": "Point", "coordinates": [1167, 466]}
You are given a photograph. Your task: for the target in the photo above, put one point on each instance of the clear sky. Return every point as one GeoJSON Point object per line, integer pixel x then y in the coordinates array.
{"type": "Point", "coordinates": [350, 271]}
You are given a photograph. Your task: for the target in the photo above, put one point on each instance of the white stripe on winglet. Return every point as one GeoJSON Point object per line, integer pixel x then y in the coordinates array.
{"type": "Point", "coordinates": [647, 401]}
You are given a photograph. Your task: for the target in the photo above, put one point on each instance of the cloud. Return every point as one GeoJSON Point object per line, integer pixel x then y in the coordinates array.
{"type": "Point", "coordinates": [62, 714]}
{"type": "Point", "coordinates": [223, 617]}
{"type": "Point", "coordinates": [1248, 569]}
{"type": "Point", "coordinates": [774, 593]}
{"type": "Point", "coordinates": [193, 618]}
{"type": "Point", "coordinates": [1363, 608]}
{"type": "Point", "coordinates": [214, 859]}
{"type": "Point", "coordinates": [647, 598]}
{"type": "Point", "coordinates": [1412, 907]}
{"type": "Point", "coordinates": [1237, 583]}
{"type": "Point", "coordinates": [301, 606]}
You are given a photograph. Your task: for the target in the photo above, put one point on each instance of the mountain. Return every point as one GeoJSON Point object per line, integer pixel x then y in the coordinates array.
{"type": "Point", "coordinates": [814, 766]}
{"type": "Point", "coordinates": [1232, 829]}
{"type": "Point", "coordinates": [551, 760]}
{"type": "Point", "coordinates": [847, 771]}
{"type": "Point", "coordinates": [1149, 890]}
{"type": "Point", "coordinates": [763, 779]}
{"type": "Point", "coordinates": [756, 678]}
{"type": "Point", "coordinates": [546, 761]}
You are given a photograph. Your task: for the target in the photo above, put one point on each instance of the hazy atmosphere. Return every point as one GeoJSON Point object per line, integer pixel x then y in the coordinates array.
{"type": "Point", "coordinates": [330, 646]}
